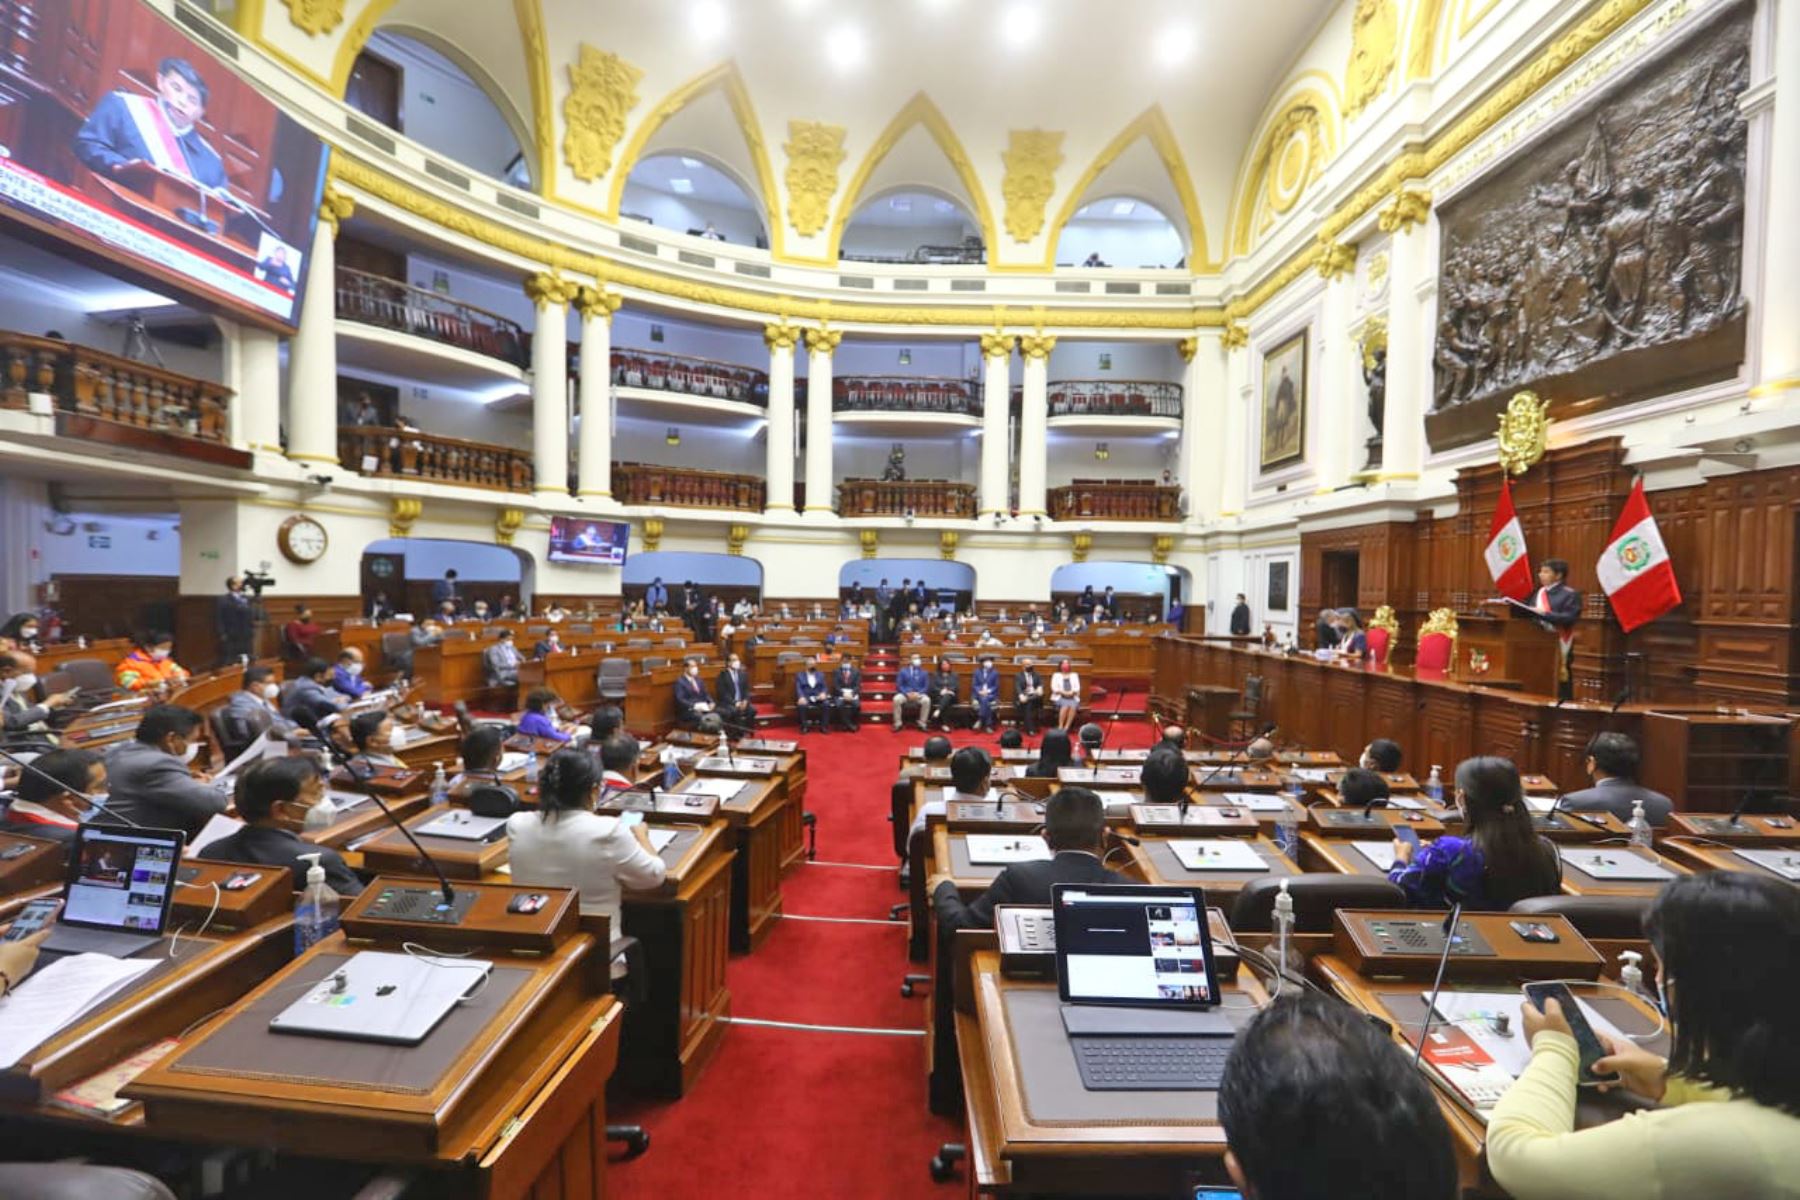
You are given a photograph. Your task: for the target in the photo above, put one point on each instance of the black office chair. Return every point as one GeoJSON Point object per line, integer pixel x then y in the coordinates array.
{"type": "Point", "coordinates": [77, 1181]}
{"type": "Point", "coordinates": [1609, 918]}
{"type": "Point", "coordinates": [632, 987]}
{"type": "Point", "coordinates": [494, 800]}
{"type": "Point", "coordinates": [1316, 897]}
{"type": "Point", "coordinates": [1248, 714]}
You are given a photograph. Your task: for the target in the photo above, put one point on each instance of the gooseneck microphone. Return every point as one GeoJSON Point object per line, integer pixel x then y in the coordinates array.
{"type": "Point", "coordinates": [361, 783]}
{"type": "Point", "coordinates": [1437, 985]}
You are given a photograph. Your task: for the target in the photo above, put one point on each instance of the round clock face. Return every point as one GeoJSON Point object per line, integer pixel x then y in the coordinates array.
{"type": "Point", "coordinates": [382, 567]}
{"type": "Point", "coordinates": [303, 539]}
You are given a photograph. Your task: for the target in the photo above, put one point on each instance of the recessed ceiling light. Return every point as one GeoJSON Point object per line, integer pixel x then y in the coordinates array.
{"type": "Point", "coordinates": [845, 47]}
{"type": "Point", "coordinates": [682, 187]}
{"type": "Point", "coordinates": [944, 206]}
{"type": "Point", "coordinates": [1124, 208]}
{"type": "Point", "coordinates": [692, 164]}
{"type": "Point", "coordinates": [709, 18]}
{"type": "Point", "coordinates": [901, 203]}
{"type": "Point", "coordinates": [1175, 47]}
{"type": "Point", "coordinates": [1021, 23]}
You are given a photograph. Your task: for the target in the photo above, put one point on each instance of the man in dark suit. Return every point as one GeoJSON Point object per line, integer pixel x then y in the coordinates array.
{"type": "Point", "coordinates": [912, 686]}
{"type": "Point", "coordinates": [235, 623]}
{"type": "Point", "coordinates": [1558, 609]}
{"type": "Point", "coordinates": [846, 695]}
{"type": "Point", "coordinates": [812, 697]}
{"type": "Point", "coordinates": [656, 595]}
{"type": "Point", "coordinates": [1028, 697]}
{"type": "Point", "coordinates": [733, 691]}
{"type": "Point", "coordinates": [445, 589]}
{"type": "Point", "coordinates": [1612, 763]}
{"type": "Point", "coordinates": [148, 778]}
{"type": "Point", "coordinates": [691, 699]}
{"type": "Point", "coordinates": [985, 688]}
{"type": "Point", "coordinates": [1075, 828]}
{"type": "Point", "coordinates": [1325, 628]}
{"type": "Point", "coordinates": [127, 128]}
{"type": "Point", "coordinates": [1240, 618]}
{"type": "Point", "coordinates": [274, 797]}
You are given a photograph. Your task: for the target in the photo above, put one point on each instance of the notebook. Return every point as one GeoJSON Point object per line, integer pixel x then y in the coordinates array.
{"type": "Point", "coordinates": [998, 849]}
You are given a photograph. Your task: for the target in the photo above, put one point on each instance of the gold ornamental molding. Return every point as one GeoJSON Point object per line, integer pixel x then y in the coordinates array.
{"type": "Point", "coordinates": [996, 345]}
{"type": "Point", "coordinates": [1372, 340]}
{"type": "Point", "coordinates": [1029, 179]}
{"type": "Point", "coordinates": [815, 151]}
{"type": "Point", "coordinates": [947, 543]}
{"type": "Point", "coordinates": [1080, 544]}
{"type": "Point", "coordinates": [506, 525]}
{"type": "Point", "coordinates": [653, 531]}
{"type": "Point", "coordinates": [313, 17]}
{"type": "Point", "coordinates": [1036, 346]}
{"type": "Point", "coordinates": [1160, 546]}
{"type": "Point", "coordinates": [870, 540]}
{"type": "Point", "coordinates": [824, 340]}
{"type": "Point", "coordinates": [403, 513]}
{"type": "Point", "coordinates": [735, 537]}
{"type": "Point", "coordinates": [597, 302]}
{"type": "Point", "coordinates": [782, 336]}
{"type": "Point", "coordinates": [602, 90]}
{"type": "Point", "coordinates": [1188, 347]}
{"type": "Point", "coordinates": [1374, 48]}
{"type": "Point", "coordinates": [1236, 335]}
{"type": "Point", "coordinates": [335, 207]}
{"type": "Point", "coordinates": [1336, 259]}
{"type": "Point", "coordinates": [1384, 618]}
{"type": "Point", "coordinates": [547, 288]}
{"type": "Point", "coordinates": [1410, 206]}
{"type": "Point", "coordinates": [1524, 432]}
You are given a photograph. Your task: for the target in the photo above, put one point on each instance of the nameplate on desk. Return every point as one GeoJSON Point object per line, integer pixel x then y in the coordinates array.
{"type": "Point", "coordinates": [765, 746]}
{"type": "Point", "coordinates": [464, 826]}
{"type": "Point", "coordinates": [737, 766]}
{"type": "Point", "coordinates": [1217, 854]}
{"type": "Point", "coordinates": [989, 850]}
{"type": "Point", "coordinates": [1615, 865]}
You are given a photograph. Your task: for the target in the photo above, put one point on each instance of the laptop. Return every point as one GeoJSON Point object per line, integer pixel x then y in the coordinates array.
{"type": "Point", "coordinates": [396, 999]}
{"type": "Point", "coordinates": [1134, 970]}
{"type": "Point", "coordinates": [120, 883]}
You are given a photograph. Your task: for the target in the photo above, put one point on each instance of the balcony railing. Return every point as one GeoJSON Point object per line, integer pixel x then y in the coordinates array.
{"type": "Point", "coordinates": [690, 376]}
{"type": "Point", "coordinates": [684, 487]}
{"type": "Point", "coordinates": [105, 398]}
{"type": "Point", "coordinates": [969, 250]}
{"type": "Point", "coordinates": [390, 304]}
{"type": "Point", "coordinates": [911, 497]}
{"type": "Point", "coordinates": [1114, 398]}
{"type": "Point", "coordinates": [904, 393]}
{"type": "Point", "coordinates": [1115, 500]}
{"type": "Point", "coordinates": [413, 454]}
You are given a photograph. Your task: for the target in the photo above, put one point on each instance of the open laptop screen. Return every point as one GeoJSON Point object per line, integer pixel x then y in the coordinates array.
{"type": "Point", "coordinates": [121, 880]}
{"type": "Point", "coordinates": [1140, 945]}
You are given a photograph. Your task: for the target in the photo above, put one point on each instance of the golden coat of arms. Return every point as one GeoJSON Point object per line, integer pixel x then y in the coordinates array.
{"type": "Point", "coordinates": [1524, 432]}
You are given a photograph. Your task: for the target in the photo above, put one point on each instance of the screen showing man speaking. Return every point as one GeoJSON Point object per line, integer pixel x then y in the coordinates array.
{"type": "Point", "coordinates": [141, 145]}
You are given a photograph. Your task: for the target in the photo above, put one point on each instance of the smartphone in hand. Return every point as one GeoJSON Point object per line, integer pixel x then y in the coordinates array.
{"type": "Point", "coordinates": [1586, 1041]}
{"type": "Point", "coordinates": [33, 917]}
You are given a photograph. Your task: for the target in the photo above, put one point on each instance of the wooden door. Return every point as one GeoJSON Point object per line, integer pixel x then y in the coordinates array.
{"type": "Point", "coordinates": [374, 90]}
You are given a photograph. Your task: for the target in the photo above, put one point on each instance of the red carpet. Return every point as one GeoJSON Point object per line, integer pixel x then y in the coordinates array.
{"type": "Point", "coordinates": [811, 1112]}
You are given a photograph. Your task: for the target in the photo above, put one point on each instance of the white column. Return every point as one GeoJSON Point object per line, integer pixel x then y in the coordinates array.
{"type": "Point", "coordinates": [779, 473]}
{"type": "Point", "coordinates": [1034, 423]}
{"type": "Point", "coordinates": [1340, 399]}
{"type": "Point", "coordinates": [312, 359]}
{"type": "Point", "coordinates": [1779, 361]}
{"type": "Point", "coordinates": [253, 373]}
{"type": "Point", "coordinates": [1203, 423]}
{"type": "Point", "coordinates": [996, 406]}
{"type": "Point", "coordinates": [594, 447]}
{"type": "Point", "coordinates": [821, 492]}
{"type": "Point", "coordinates": [1409, 357]}
{"type": "Point", "coordinates": [1232, 487]}
{"type": "Point", "coordinates": [550, 383]}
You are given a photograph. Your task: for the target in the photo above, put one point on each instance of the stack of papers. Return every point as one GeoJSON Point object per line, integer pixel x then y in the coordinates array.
{"type": "Point", "coordinates": [513, 760]}
{"type": "Point", "coordinates": [660, 839]}
{"type": "Point", "coordinates": [57, 996]}
{"type": "Point", "coordinates": [1218, 854]}
{"type": "Point", "coordinates": [1003, 849]}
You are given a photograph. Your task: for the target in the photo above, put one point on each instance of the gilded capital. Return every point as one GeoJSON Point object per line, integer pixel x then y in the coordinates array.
{"type": "Point", "coordinates": [506, 524]}
{"type": "Point", "coordinates": [735, 536]}
{"type": "Point", "coordinates": [870, 540]}
{"type": "Point", "coordinates": [335, 206]}
{"type": "Point", "coordinates": [1235, 336]}
{"type": "Point", "coordinates": [996, 345]}
{"type": "Point", "coordinates": [313, 17]}
{"type": "Point", "coordinates": [947, 542]}
{"type": "Point", "coordinates": [1336, 258]}
{"type": "Point", "coordinates": [1160, 546]}
{"type": "Point", "coordinates": [547, 288]}
{"type": "Point", "coordinates": [1079, 545]}
{"type": "Point", "coordinates": [1409, 207]}
{"type": "Point", "coordinates": [824, 339]}
{"type": "Point", "coordinates": [653, 531]}
{"type": "Point", "coordinates": [781, 337]}
{"type": "Point", "coordinates": [402, 513]}
{"type": "Point", "coordinates": [1036, 345]}
{"type": "Point", "coordinates": [597, 302]}
{"type": "Point", "coordinates": [1188, 347]}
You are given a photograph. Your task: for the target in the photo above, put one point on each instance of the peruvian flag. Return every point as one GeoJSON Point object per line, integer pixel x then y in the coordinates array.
{"type": "Point", "coordinates": [1505, 552]}
{"type": "Point", "coordinates": [1634, 568]}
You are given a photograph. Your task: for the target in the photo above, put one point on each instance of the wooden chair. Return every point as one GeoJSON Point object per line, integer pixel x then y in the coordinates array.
{"type": "Point", "coordinates": [1437, 641]}
{"type": "Point", "coordinates": [1383, 632]}
{"type": "Point", "coordinates": [1246, 718]}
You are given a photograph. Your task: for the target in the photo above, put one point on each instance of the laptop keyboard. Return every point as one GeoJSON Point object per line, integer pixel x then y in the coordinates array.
{"type": "Point", "coordinates": [1151, 1064]}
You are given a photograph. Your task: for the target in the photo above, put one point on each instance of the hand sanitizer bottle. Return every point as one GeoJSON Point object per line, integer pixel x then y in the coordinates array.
{"type": "Point", "coordinates": [440, 787]}
{"type": "Point", "coordinates": [316, 915]}
{"type": "Point", "coordinates": [1434, 786]}
{"type": "Point", "coordinates": [1640, 826]}
{"type": "Point", "coordinates": [531, 768]}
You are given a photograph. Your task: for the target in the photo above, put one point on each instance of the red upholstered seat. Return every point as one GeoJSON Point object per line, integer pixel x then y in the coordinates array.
{"type": "Point", "coordinates": [1435, 650]}
{"type": "Point", "coordinates": [1379, 644]}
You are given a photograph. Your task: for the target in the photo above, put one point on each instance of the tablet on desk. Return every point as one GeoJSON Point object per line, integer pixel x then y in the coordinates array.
{"type": "Point", "coordinates": [1616, 866]}
{"type": "Point", "coordinates": [991, 849]}
{"type": "Point", "coordinates": [1218, 854]}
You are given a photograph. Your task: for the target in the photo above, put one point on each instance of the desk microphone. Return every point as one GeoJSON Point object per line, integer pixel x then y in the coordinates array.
{"type": "Point", "coordinates": [1736, 820]}
{"type": "Point", "coordinates": [361, 782]}
{"type": "Point", "coordinates": [1437, 985]}
{"type": "Point", "coordinates": [1214, 773]}
{"type": "Point", "coordinates": [1368, 810]}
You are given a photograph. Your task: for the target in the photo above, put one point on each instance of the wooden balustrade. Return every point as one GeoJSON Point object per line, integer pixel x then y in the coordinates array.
{"type": "Point", "coordinates": [1115, 500]}
{"type": "Point", "coordinates": [690, 376]}
{"type": "Point", "coordinates": [106, 398]}
{"type": "Point", "coordinates": [1114, 398]}
{"type": "Point", "coordinates": [414, 454]}
{"type": "Point", "coordinates": [904, 393]}
{"type": "Point", "coordinates": [390, 304]}
{"type": "Point", "coordinates": [920, 497]}
{"type": "Point", "coordinates": [685, 487]}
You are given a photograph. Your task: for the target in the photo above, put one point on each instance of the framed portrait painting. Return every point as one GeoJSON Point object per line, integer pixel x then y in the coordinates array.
{"type": "Point", "coordinates": [1284, 403]}
{"type": "Point", "coordinates": [1278, 586]}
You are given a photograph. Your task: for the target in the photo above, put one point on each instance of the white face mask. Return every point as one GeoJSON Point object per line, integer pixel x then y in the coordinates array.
{"type": "Point", "coordinates": [30, 634]}
{"type": "Point", "coordinates": [353, 668]}
{"type": "Point", "coordinates": [319, 816]}
{"type": "Point", "coordinates": [159, 655]}
{"type": "Point", "coordinates": [271, 690]}
{"type": "Point", "coordinates": [188, 755]}
{"type": "Point", "coordinates": [24, 683]}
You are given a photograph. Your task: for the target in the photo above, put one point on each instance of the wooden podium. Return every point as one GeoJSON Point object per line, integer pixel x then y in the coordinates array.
{"type": "Point", "coordinates": [1520, 653]}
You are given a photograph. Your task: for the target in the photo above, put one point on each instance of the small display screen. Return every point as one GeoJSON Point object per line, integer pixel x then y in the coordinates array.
{"type": "Point", "coordinates": [122, 881]}
{"type": "Point", "coordinates": [597, 543]}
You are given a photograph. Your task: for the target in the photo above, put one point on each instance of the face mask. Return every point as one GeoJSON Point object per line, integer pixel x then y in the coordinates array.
{"type": "Point", "coordinates": [187, 756]}
{"type": "Point", "coordinates": [354, 668]}
{"type": "Point", "coordinates": [98, 800]}
{"type": "Point", "coordinates": [159, 655]}
{"type": "Point", "coordinates": [24, 683]}
{"type": "Point", "coordinates": [319, 816]}
{"type": "Point", "coordinates": [29, 635]}
{"type": "Point", "coordinates": [1662, 997]}
{"type": "Point", "coordinates": [271, 690]}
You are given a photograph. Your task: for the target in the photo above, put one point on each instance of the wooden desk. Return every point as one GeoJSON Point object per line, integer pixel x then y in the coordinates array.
{"type": "Point", "coordinates": [1577, 882]}
{"type": "Point", "coordinates": [390, 853]}
{"type": "Point", "coordinates": [1697, 854]}
{"type": "Point", "coordinates": [42, 863]}
{"type": "Point", "coordinates": [1337, 854]}
{"type": "Point", "coordinates": [366, 818]}
{"type": "Point", "coordinates": [685, 928]}
{"type": "Point", "coordinates": [754, 818]}
{"type": "Point", "coordinates": [1150, 1144]}
{"type": "Point", "coordinates": [1751, 829]}
{"type": "Point", "coordinates": [1154, 860]}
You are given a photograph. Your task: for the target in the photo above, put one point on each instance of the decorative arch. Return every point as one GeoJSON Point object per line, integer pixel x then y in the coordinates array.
{"type": "Point", "coordinates": [917, 111]}
{"type": "Point", "coordinates": [1153, 124]}
{"type": "Point", "coordinates": [748, 186]}
{"type": "Point", "coordinates": [1307, 112]}
{"type": "Point", "coordinates": [481, 77]}
{"type": "Point", "coordinates": [355, 38]}
{"type": "Point", "coordinates": [727, 78]}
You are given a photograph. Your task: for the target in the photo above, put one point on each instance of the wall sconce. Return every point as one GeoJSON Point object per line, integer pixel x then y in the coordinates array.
{"type": "Point", "coordinates": [673, 437]}
{"type": "Point", "coordinates": [1101, 451]}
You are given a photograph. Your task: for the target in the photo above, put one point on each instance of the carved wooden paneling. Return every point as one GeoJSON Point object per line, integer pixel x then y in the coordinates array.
{"type": "Point", "coordinates": [1444, 732]}
{"type": "Point", "coordinates": [1344, 715]}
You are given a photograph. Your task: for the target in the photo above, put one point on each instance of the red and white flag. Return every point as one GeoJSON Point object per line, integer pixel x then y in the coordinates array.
{"type": "Point", "coordinates": [1634, 569]}
{"type": "Point", "coordinates": [1505, 553]}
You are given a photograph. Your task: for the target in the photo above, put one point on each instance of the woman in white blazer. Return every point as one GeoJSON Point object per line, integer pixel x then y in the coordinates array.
{"type": "Point", "coordinates": [1065, 693]}
{"type": "Point", "coordinates": [565, 843]}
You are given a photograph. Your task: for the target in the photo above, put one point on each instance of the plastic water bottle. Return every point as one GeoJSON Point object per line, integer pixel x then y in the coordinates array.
{"type": "Point", "coordinates": [1434, 786]}
{"type": "Point", "coordinates": [1287, 832]}
{"type": "Point", "coordinates": [440, 787]}
{"type": "Point", "coordinates": [531, 768]}
{"type": "Point", "coordinates": [1640, 826]}
{"type": "Point", "coordinates": [316, 915]}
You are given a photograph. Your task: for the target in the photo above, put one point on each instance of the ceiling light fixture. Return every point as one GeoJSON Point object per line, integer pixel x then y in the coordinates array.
{"type": "Point", "coordinates": [846, 48]}
{"type": "Point", "coordinates": [692, 164]}
{"type": "Point", "coordinates": [1021, 23]}
{"type": "Point", "coordinates": [682, 187]}
{"type": "Point", "coordinates": [1124, 208]}
{"type": "Point", "coordinates": [944, 206]}
{"type": "Point", "coordinates": [1175, 47]}
{"type": "Point", "coordinates": [901, 203]}
{"type": "Point", "coordinates": [709, 19]}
